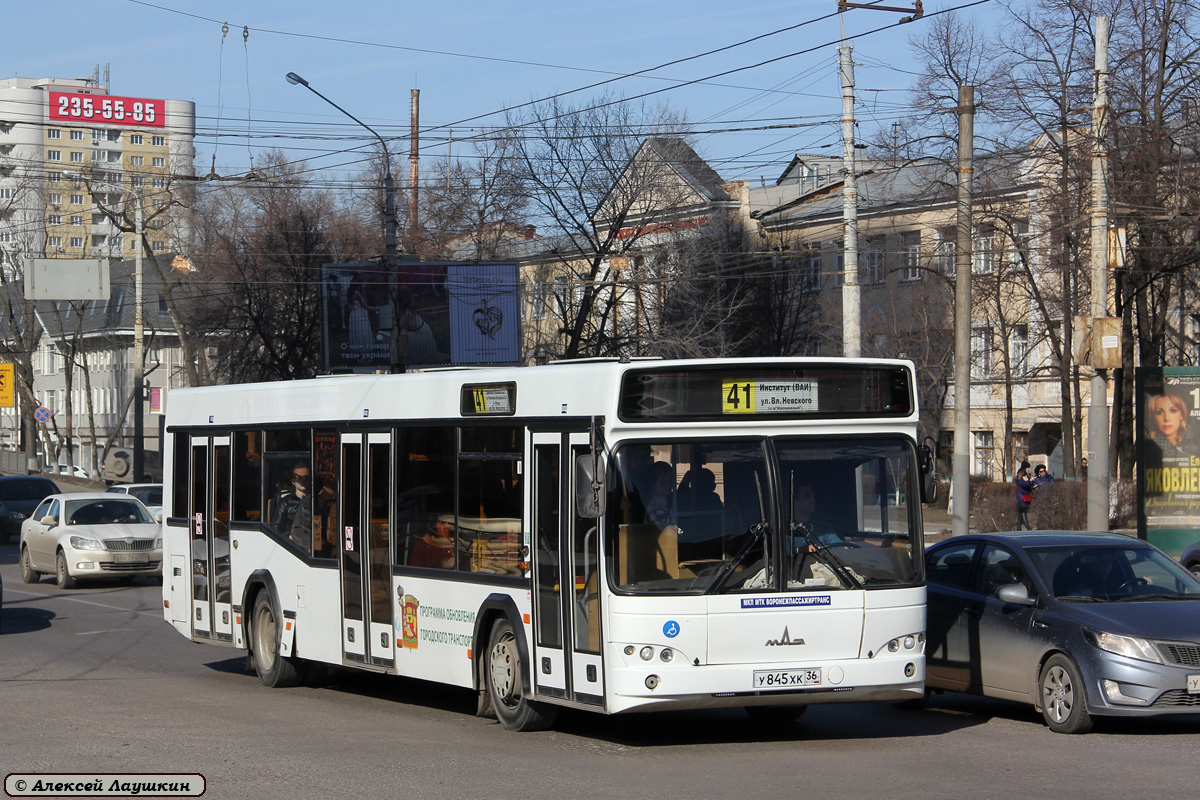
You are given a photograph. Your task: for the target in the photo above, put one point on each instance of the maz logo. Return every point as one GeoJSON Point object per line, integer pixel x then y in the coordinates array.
{"type": "Point", "coordinates": [784, 641]}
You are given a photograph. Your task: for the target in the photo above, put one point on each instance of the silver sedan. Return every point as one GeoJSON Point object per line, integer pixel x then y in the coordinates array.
{"type": "Point", "coordinates": [1078, 624]}
{"type": "Point", "coordinates": [81, 536]}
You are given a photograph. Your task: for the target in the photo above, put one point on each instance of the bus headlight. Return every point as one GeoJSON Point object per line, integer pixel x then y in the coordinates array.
{"type": "Point", "coordinates": [647, 653]}
{"type": "Point", "coordinates": [667, 654]}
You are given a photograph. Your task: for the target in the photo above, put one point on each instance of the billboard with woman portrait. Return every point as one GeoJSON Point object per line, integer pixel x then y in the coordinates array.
{"type": "Point", "coordinates": [1168, 456]}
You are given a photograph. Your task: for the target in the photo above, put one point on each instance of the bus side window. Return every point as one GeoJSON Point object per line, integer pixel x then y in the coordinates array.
{"type": "Point", "coordinates": [425, 496]}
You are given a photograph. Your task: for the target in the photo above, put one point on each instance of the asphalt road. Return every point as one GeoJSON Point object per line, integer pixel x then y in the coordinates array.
{"type": "Point", "coordinates": [94, 680]}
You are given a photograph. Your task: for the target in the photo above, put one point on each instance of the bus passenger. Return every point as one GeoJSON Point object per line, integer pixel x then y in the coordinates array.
{"type": "Point", "coordinates": [660, 506]}
{"type": "Point", "coordinates": [293, 508]}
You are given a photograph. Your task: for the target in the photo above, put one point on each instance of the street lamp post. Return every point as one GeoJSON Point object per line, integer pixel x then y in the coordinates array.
{"type": "Point", "coordinates": [139, 446]}
{"type": "Point", "coordinates": [389, 220]}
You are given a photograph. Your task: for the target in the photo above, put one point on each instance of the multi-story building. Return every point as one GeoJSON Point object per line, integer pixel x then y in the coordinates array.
{"type": "Point", "coordinates": [71, 157]}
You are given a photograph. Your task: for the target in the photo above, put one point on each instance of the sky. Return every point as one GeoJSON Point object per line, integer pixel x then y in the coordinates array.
{"type": "Point", "coordinates": [471, 58]}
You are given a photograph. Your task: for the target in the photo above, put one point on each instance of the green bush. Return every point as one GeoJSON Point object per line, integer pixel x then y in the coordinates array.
{"type": "Point", "coordinates": [993, 506]}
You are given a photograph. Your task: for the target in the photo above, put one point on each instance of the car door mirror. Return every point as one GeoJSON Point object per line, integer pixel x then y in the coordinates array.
{"type": "Point", "coordinates": [49, 521]}
{"type": "Point", "coordinates": [1015, 593]}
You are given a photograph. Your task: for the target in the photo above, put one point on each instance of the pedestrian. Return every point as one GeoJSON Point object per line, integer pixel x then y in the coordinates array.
{"type": "Point", "coordinates": [1041, 477]}
{"type": "Point", "coordinates": [1084, 464]}
{"type": "Point", "coordinates": [1024, 487]}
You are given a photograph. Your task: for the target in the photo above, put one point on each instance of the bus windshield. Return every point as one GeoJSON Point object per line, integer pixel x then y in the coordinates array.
{"type": "Point", "coordinates": [767, 515]}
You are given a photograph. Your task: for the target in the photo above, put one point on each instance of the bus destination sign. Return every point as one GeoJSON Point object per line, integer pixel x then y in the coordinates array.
{"type": "Point", "coordinates": [768, 397]}
{"type": "Point", "coordinates": [496, 398]}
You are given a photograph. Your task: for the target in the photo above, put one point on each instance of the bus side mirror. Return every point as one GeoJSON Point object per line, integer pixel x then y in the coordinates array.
{"type": "Point", "coordinates": [927, 458]}
{"type": "Point", "coordinates": [589, 490]}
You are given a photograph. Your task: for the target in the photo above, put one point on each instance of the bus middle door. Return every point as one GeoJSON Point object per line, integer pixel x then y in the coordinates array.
{"type": "Point", "coordinates": [212, 602]}
{"type": "Point", "coordinates": [566, 577]}
{"type": "Point", "coordinates": [364, 551]}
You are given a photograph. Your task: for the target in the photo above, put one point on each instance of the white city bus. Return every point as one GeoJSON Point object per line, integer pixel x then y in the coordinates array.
{"type": "Point", "coordinates": [608, 535]}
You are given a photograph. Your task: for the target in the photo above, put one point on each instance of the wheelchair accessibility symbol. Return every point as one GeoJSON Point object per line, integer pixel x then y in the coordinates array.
{"type": "Point", "coordinates": [671, 629]}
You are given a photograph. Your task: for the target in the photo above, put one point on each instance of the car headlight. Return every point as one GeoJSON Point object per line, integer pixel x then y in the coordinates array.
{"type": "Point", "coordinates": [1128, 646]}
{"type": "Point", "coordinates": [83, 543]}
{"type": "Point", "coordinates": [15, 515]}
{"type": "Point", "coordinates": [158, 543]}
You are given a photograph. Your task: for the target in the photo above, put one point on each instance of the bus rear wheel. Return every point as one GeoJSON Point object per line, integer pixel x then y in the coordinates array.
{"type": "Point", "coordinates": [506, 686]}
{"type": "Point", "coordinates": [273, 669]}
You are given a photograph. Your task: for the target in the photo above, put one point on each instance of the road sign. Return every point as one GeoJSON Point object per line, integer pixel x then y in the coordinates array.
{"type": "Point", "coordinates": [8, 394]}
{"type": "Point", "coordinates": [42, 415]}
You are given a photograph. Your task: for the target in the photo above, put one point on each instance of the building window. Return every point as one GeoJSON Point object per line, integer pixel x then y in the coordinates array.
{"type": "Point", "coordinates": [5, 193]}
{"type": "Point", "coordinates": [135, 138]}
{"type": "Point", "coordinates": [985, 454]}
{"type": "Point", "coordinates": [910, 256]}
{"type": "Point", "coordinates": [55, 198]}
{"type": "Point", "coordinates": [136, 161]}
{"type": "Point", "coordinates": [114, 136]}
{"type": "Point", "coordinates": [54, 155]}
{"type": "Point", "coordinates": [76, 242]}
{"type": "Point", "coordinates": [160, 203]}
{"type": "Point", "coordinates": [1017, 250]}
{"type": "Point", "coordinates": [872, 261]}
{"type": "Point", "coordinates": [54, 241]}
{"type": "Point", "coordinates": [54, 219]}
{"type": "Point", "coordinates": [137, 181]}
{"type": "Point", "coordinates": [983, 257]}
{"type": "Point", "coordinates": [76, 219]}
{"type": "Point", "coordinates": [159, 161]}
{"type": "Point", "coordinates": [76, 136]}
{"type": "Point", "coordinates": [53, 134]}
{"type": "Point", "coordinates": [76, 199]}
{"type": "Point", "coordinates": [1018, 350]}
{"type": "Point", "coordinates": [159, 141]}
{"type": "Point", "coordinates": [839, 262]}
{"type": "Point", "coordinates": [54, 177]}
{"type": "Point", "coordinates": [946, 251]}
{"type": "Point", "coordinates": [159, 246]}
{"type": "Point", "coordinates": [810, 269]}
{"type": "Point", "coordinates": [76, 157]}
{"type": "Point", "coordinates": [159, 183]}
{"type": "Point", "coordinates": [981, 352]}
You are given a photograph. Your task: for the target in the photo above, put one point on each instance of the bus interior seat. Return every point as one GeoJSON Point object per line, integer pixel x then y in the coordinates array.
{"type": "Point", "coordinates": [647, 554]}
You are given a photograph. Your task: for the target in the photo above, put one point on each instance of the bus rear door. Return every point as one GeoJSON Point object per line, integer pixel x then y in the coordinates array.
{"type": "Point", "coordinates": [566, 604]}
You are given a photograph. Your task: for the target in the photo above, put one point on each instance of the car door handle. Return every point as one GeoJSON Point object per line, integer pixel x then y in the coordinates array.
{"type": "Point", "coordinates": [1042, 625]}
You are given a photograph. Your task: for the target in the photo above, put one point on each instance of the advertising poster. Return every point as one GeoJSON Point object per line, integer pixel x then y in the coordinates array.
{"type": "Point", "coordinates": [447, 313]}
{"type": "Point", "coordinates": [1168, 414]}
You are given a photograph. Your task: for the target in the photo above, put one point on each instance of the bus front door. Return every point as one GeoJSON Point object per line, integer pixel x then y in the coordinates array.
{"type": "Point", "coordinates": [364, 550]}
{"type": "Point", "coordinates": [212, 602]}
{"type": "Point", "coordinates": [566, 576]}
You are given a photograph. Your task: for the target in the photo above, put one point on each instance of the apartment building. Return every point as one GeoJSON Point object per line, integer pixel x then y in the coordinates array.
{"type": "Point", "coordinates": [72, 158]}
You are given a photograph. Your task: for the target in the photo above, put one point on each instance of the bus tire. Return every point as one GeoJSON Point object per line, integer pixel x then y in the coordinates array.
{"type": "Point", "coordinates": [513, 708]}
{"type": "Point", "coordinates": [273, 669]}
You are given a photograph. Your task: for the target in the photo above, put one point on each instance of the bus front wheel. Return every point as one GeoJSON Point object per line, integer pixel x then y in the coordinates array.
{"type": "Point", "coordinates": [273, 669]}
{"type": "Point", "coordinates": [506, 686]}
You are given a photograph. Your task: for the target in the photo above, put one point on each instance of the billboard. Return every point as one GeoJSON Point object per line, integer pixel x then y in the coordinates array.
{"type": "Point", "coordinates": [1168, 456]}
{"type": "Point", "coordinates": [106, 110]}
{"type": "Point", "coordinates": [447, 312]}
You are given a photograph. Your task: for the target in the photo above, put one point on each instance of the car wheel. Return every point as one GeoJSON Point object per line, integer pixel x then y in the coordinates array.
{"type": "Point", "coordinates": [506, 684]}
{"type": "Point", "coordinates": [774, 715]}
{"type": "Point", "coordinates": [1064, 706]}
{"type": "Point", "coordinates": [28, 573]}
{"type": "Point", "coordinates": [273, 669]}
{"type": "Point", "coordinates": [62, 575]}
{"type": "Point", "coordinates": [1194, 568]}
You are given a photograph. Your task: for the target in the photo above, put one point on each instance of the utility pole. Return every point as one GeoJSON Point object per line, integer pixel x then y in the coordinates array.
{"type": "Point", "coordinates": [1098, 466]}
{"type": "Point", "coordinates": [961, 485]}
{"type": "Point", "coordinates": [851, 292]}
{"type": "Point", "coordinates": [414, 167]}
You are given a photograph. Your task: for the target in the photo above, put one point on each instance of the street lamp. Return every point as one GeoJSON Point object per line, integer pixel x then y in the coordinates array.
{"type": "Point", "coordinates": [389, 218]}
{"type": "Point", "coordinates": [139, 447]}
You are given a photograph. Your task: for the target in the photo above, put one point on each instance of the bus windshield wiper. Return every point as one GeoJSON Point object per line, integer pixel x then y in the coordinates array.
{"type": "Point", "coordinates": [757, 533]}
{"type": "Point", "coordinates": [825, 556]}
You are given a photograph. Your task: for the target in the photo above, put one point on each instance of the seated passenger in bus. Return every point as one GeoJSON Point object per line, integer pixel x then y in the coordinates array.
{"type": "Point", "coordinates": [807, 530]}
{"type": "Point", "coordinates": [699, 512]}
{"type": "Point", "coordinates": [660, 506]}
{"type": "Point", "coordinates": [293, 508]}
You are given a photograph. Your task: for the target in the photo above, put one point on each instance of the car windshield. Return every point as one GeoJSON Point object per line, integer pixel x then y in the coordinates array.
{"type": "Point", "coordinates": [149, 495]}
{"type": "Point", "coordinates": [1089, 573]}
{"type": "Point", "coordinates": [105, 512]}
{"type": "Point", "coordinates": [704, 516]}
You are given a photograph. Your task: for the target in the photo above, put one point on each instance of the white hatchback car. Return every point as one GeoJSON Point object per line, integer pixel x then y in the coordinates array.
{"type": "Point", "coordinates": [92, 535]}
